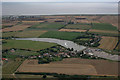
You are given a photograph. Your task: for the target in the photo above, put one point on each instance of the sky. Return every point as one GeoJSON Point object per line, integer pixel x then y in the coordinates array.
{"type": "Point", "coordinates": [59, 0]}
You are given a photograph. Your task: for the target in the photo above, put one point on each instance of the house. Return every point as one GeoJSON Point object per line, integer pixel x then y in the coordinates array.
{"type": "Point", "coordinates": [12, 50]}
{"type": "Point", "coordinates": [4, 59]}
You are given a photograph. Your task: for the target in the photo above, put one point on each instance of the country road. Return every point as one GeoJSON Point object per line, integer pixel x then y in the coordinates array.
{"type": "Point", "coordinates": [76, 47]}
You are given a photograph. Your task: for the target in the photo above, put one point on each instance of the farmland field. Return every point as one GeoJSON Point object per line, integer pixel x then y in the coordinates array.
{"type": "Point", "coordinates": [48, 26]}
{"type": "Point", "coordinates": [16, 53]}
{"type": "Point", "coordinates": [9, 24]}
{"type": "Point", "coordinates": [72, 66]}
{"type": "Point", "coordinates": [72, 30]}
{"type": "Point", "coordinates": [108, 43]}
{"type": "Point", "coordinates": [104, 26]}
{"type": "Point", "coordinates": [103, 32]}
{"type": "Point", "coordinates": [24, 34]}
{"type": "Point", "coordinates": [16, 28]}
{"type": "Point", "coordinates": [24, 44]}
{"type": "Point", "coordinates": [32, 22]}
{"type": "Point", "coordinates": [57, 68]}
{"type": "Point", "coordinates": [110, 19]}
{"type": "Point", "coordinates": [10, 66]}
{"type": "Point", "coordinates": [78, 26]}
{"type": "Point", "coordinates": [62, 35]}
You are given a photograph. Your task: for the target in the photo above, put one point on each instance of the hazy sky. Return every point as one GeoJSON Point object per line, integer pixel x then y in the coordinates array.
{"type": "Point", "coordinates": [60, 0]}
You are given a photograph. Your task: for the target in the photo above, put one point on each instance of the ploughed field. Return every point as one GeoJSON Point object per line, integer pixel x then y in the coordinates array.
{"type": "Point", "coordinates": [72, 66]}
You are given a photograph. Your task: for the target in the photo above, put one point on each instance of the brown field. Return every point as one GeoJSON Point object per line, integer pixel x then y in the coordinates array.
{"type": "Point", "coordinates": [72, 66]}
{"type": "Point", "coordinates": [72, 30]}
{"type": "Point", "coordinates": [110, 19]}
{"type": "Point", "coordinates": [78, 69]}
{"type": "Point", "coordinates": [16, 28]}
{"type": "Point", "coordinates": [7, 24]}
{"type": "Point", "coordinates": [87, 21]}
{"type": "Point", "coordinates": [103, 31]}
{"type": "Point", "coordinates": [108, 43]}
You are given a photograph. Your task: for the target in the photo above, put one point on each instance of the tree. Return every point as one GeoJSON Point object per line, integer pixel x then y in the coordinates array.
{"type": "Point", "coordinates": [44, 76]}
{"type": "Point", "coordinates": [72, 49]}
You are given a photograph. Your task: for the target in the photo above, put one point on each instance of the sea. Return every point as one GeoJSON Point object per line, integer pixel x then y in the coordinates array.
{"type": "Point", "coordinates": [58, 8]}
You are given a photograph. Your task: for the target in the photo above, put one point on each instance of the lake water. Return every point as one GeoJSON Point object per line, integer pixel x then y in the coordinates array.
{"type": "Point", "coordinates": [34, 8]}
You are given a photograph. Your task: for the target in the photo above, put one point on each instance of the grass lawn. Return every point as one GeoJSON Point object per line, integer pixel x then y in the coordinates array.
{"type": "Point", "coordinates": [47, 26]}
{"type": "Point", "coordinates": [104, 26]}
{"type": "Point", "coordinates": [62, 35]}
{"type": "Point", "coordinates": [26, 44]}
{"type": "Point", "coordinates": [78, 26]}
{"type": "Point", "coordinates": [24, 34]}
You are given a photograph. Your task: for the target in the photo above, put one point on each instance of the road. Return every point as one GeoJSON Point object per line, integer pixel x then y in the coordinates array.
{"type": "Point", "coordinates": [104, 55]}
{"type": "Point", "coordinates": [76, 47]}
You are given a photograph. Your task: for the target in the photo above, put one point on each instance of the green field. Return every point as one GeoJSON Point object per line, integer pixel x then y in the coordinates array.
{"type": "Point", "coordinates": [17, 52]}
{"type": "Point", "coordinates": [104, 26]}
{"type": "Point", "coordinates": [48, 26]}
{"type": "Point", "coordinates": [26, 44]}
{"type": "Point", "coordinates": [24, 34]}
{"type": "Point", "coordinates": [78, 26]}
{"type": "Point", "coordinates": [104, 34]}
{"type": "Point", "coordinates": [9, 34]}
{"type": "Point", "coordinates": [10, 66]}
{"type": "Point", "coordinates": [62, 35]}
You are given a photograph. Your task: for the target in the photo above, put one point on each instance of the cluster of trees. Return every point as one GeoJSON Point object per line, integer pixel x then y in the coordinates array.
{"type": "Point", "coordinates": [88, 40]}
{"type": "Point", "coordinates": [44, 60]}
